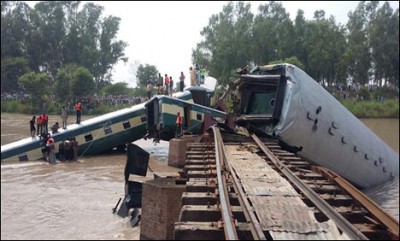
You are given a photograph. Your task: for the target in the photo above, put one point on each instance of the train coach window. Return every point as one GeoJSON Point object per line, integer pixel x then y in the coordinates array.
{"type": "Point", "coordinates": [143, 118]}
{"type": "Point", "coordinates": [107, 130]}
{"type": "Point", "coordinates": [198, 116]}
{"type": "Point", "coordinates": [257, 103]}
{"type": "Point", "coordinates": [126, 124]}
{"type": "Point", "coordinates": [88, 137]}
{"type": "Point", "coordinates": [23, 157]}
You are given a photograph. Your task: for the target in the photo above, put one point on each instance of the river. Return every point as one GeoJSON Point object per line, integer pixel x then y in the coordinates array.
{"type": "Point", "coordinates": [74, 200]}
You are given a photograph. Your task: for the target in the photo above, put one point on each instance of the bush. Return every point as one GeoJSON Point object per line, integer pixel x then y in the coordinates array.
{"type": "Point", "coordinates": [386, 92]}
{"type": "Point", "coordinates": [373, 109]}
{"type": "Point", "coordinates": [364, 94]}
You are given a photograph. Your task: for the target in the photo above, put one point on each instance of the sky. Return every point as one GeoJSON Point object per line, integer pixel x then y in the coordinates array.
{"type": "Point", "coordinates": [164, 33]}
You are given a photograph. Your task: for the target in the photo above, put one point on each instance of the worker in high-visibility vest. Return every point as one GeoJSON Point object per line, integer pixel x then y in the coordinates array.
{"type": "Point", "coordinates": [178, 125]}
{"type": "Point", "coordinates": [78, 108]}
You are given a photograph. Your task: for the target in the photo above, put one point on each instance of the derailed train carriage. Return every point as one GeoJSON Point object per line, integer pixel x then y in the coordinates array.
{"type": "Point", "coordinates": [94, 136]}
{"type": "Point", "coordinates": [283, 102]}
{"type": "Point", "coordinates": [198, 112]}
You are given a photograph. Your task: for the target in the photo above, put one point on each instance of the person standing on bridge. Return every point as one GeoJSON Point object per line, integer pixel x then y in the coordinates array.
{"type": "Point", "coordinates": [178, 125]}
{"type": "Point", "coordinates": [78, 108]}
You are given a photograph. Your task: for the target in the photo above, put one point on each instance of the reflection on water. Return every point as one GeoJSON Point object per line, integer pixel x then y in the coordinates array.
{"type": "Point", "coordinates": [387, 196]}
{"type": "Point", "coordinates": [74, 200]}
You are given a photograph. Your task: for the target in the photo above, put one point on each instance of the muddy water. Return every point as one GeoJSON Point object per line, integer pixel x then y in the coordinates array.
{"type": "Point", "coordinates": [386, 129]}
{"type": "Point", "coordinates": [74, 200]}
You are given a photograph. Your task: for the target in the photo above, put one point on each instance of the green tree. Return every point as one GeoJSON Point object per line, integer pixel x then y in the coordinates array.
{"type": "Point", "coordinates": [54, 34]}
{"type": "Point", "coordinates": [147, 73]}
{"type": "Point", "coordinates": [325, 44]}
{"type": "Point", "coordinates": [226, 39]}
{"type": "Point", "coordinates": [83, 84]}
{"type": "Point", "coordinates": [273, 33]}
{"type": "Point", "coordinates": [359, 58]}
{"type": "Point", "coordinates": [37, 87]}
{"type": "Point", "coordinates": [110, 52]}
{"type": "Point", "coordinates": [11, 69]}
{"type": "Point", "coordinates": [15, 28]}
{"type": "Point", "coordinates": [301, 32]}
{"type": "Point", "coordinates": [52, 29]}
{"type": "Point", "coordinates": [383, 34]}
{"type": "Point", "coordinates": [65, 78]}
{"type": "Point", "coordinates": [95, 41]}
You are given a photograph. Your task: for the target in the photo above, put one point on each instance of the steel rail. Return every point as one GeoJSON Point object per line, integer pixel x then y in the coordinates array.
{"type": "Point", "coordinates": [384, 218]}
{"type": "Point", "coordinates": [321, 204]}
{"type": "Point", "coordinates": [226, 211]}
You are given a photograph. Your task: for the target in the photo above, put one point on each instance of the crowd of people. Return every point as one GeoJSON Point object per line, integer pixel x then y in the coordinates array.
{"type": "Point", "coordinates": [68, 148]}
{"type": "Point", "coordinates": [165, 85]}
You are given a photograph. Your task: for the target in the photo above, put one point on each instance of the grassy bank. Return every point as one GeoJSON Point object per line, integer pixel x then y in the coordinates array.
{"type": "Point", "coordinates": [361, 109]}
{"type": "Point", "coordinates": [373, 109]}
{"type": "Point", "coordinates": [367, 109]}
{"type": "Point", "coordinates": [55, 108]}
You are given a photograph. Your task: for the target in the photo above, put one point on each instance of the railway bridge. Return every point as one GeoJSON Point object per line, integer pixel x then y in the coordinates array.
{"type": "Point", "coordinates": [246, 187]}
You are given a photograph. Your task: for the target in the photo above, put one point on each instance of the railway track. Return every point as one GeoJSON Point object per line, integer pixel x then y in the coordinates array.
{"type": "Point", "coordinates": [247, 188]}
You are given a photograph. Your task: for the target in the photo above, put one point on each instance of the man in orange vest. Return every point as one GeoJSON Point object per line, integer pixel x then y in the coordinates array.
{"type": "Point", "coordinates": [78, 108]}
{"type": "Point", "coordinates": [166, 79]}
{"type": "Point", "coordinates": [178, 125]}
{"type": "Point", "coordinates": [39, 128]}
{"type": "Point", "coordinates": [45, 123]}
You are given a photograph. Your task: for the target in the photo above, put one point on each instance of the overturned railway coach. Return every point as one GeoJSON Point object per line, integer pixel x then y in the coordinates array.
{"type": "Point", "coordinates": [282, 101]}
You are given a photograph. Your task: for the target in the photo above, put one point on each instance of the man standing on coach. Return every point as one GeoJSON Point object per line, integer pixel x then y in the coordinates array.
{"type": "Point", "coordinates": [178, 132]}
{"type": "Point", "coordinates": [78, 108]}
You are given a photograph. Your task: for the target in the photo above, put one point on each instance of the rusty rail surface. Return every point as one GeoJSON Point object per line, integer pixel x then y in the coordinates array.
{"type": "Point", "coordinates": [226, 210]}
{"type": "Point", "coordinates": [253, 222]}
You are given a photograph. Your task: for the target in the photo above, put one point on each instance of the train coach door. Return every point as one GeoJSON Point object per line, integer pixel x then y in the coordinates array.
{"type": "Point", "coordinates": [152, 113]}
{"type": "Point", "coordinates": [186, 117]}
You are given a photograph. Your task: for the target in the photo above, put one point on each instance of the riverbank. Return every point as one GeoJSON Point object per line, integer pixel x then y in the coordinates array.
{"type": "Point", "coordinates": [361, 109]}
{"type": "Point", "coordinates": [373, 109]}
